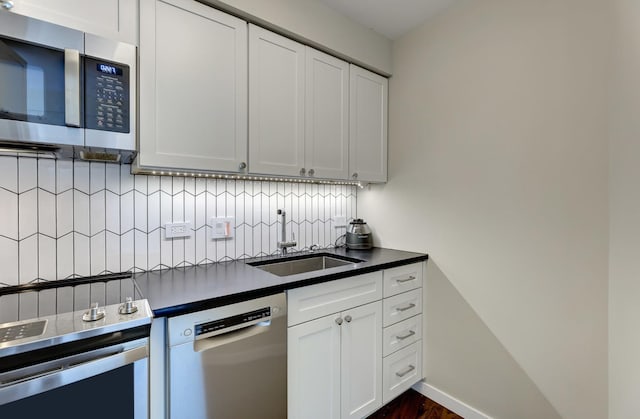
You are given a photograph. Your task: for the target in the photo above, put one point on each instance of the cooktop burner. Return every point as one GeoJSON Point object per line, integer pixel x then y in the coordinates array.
{"type": "Point", "coordinates": [21, 330]}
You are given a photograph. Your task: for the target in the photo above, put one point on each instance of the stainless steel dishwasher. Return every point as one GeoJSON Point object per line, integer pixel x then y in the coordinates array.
{"type": "Point", "coordinates": [230, 362]}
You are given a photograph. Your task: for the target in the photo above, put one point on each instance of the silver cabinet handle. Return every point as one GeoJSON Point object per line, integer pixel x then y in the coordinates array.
{"type": "Point", "coordinates": [243, 165]}
{"type": "Point", "coordinates": [405, 308]}
{"type": "Point", "coordinates": [410, 278]}
{"type": "Point", "coordinates": [6, 4]}
{"type": "Point", "coordinates": [72, 87]}
{"type": "Point", "coordinates": [406, 335]}
{"type": "Point", "coordinates": [348, 318]}
{"type": "Point", "coordinates": [405, 371]}
{"type": "Point", "coordinates": [312, 172]}
{"type": "Point", "coordinates": [339, 321]}
{"type": "Point", "coordinates": [302, 172]}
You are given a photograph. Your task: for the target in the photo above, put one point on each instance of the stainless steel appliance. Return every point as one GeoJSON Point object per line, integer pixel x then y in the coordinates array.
{"type": "Point", "coordinates": [74, 363]}
{"type": "Point", "coordinates": [359, 235]}
{"type": "Point", "coordinates": [65, 91]}
{"type": "Point", "coordinates": [230, 362]}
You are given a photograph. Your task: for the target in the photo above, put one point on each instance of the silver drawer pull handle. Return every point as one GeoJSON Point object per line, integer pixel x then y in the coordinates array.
{"type": "Point", "coordinates": [410, 278]}
{"type": "Point", "coordinates": [406, 336]}
{"type": "Point", "coordinates": [405, 308]}
{"type": "Point", "coordinates": [405, 371]}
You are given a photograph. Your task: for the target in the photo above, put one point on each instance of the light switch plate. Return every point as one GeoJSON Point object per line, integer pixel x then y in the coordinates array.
{"type": "Point", "coordinates": [222, 227]}
{"type": "Point", "coordinates": [173, 230]}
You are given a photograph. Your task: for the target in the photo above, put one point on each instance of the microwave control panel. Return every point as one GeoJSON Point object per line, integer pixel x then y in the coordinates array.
{"type": "Point", "coordinates": [107, 90]}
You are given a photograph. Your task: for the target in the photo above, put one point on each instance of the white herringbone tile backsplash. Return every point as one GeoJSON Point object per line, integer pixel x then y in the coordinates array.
{"type": "Point", "coordinates": [63, 218]}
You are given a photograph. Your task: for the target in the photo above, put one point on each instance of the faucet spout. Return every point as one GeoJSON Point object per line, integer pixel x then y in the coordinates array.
{"type": "Point", "coordinates": [283, 244]}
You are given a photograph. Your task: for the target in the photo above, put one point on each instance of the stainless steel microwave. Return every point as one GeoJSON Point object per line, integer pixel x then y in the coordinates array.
{"type": "Point", "coordinates": [65, 90]}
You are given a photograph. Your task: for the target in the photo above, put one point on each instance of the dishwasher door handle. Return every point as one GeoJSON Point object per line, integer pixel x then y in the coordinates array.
{"type": "Point", "coordinates": [201, 345]}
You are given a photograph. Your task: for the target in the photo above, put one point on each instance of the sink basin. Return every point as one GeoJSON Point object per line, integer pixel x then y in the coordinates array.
{"type": "Point", "coordinates": [303, 264]}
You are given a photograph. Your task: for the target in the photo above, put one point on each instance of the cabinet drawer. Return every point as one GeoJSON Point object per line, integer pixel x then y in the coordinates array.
{"type": "Point", "coordinates": [314, 301]}
{"type": "Point", "coordinates": [402, 306]}
{"type": "Point", "coordinates": [402, 278]}
{"type": "Point", "coordinates": [401, 370]}
{"type": "Point", "coordinates": [401, 335]}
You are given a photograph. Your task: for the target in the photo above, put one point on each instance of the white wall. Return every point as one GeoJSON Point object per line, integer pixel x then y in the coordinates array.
{"type": "Point", "coordinates": [499, 170]}
{"type": "Point", "coordinates": [318, 25]}
{"type": "Point", "coordinates": [624, 280]}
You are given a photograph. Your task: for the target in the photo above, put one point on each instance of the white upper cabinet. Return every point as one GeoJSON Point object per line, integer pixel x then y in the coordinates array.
{"type": "Point", "coordinates": [368, 126]}
{"type": "Point", "coordinates": [193, 87]}
{"type": "Point", "coordinates": [114, 19]}
{"type": "Point", "coordinates": [276, 104]}
{"type": "Point", "coordinates": [326, 116]}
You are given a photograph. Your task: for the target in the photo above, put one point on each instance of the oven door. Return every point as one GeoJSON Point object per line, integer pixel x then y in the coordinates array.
{"type": "Point", "coordinates": [110, 382]}
{"type": "Point", "coordinates": [40, 81]}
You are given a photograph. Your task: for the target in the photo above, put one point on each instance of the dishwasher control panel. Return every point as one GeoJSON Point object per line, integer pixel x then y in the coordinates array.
{"type": "Point", "coordinates": [230, 323]}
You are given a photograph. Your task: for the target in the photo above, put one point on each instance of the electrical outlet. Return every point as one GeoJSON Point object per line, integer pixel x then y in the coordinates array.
{"type": "Point", "coordinates": [173, 230]}
{"type": "Point", "coordinates": [339, 221]}
{"type": "Point", "coordinates": [223, 227]}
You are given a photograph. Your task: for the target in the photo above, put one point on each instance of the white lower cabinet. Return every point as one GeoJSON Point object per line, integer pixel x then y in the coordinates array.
{"type": "Point", "coordinates": [402, 369]}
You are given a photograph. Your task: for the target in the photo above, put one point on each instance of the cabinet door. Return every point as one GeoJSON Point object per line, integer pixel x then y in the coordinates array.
{"type": "Point", "coordinates": [313, 369]}
{"type": "Point", "coordinates": [276, 104]}
{"type": "Point", "coordinates": [361, 360]}
{"type": "Point", "coordinates": [326, 116]}
{"type": "Point", "coordinates": [193, 87]}
{"type": "Point", "coordinates": [115, 19]}
{"type": "Point", "coordinates": [368, 125]}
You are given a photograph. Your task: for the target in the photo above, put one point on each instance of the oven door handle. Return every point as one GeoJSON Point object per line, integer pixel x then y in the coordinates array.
{"type": "Point", "coordinates": [68, 372]}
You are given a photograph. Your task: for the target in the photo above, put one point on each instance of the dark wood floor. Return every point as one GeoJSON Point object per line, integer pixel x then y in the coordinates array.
{"type": "Point", "coordinates": [413, 405]}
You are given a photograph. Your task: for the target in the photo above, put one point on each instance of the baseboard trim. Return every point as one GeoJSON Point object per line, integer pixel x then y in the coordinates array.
{"type": "Point", "coordinates": [448, 401]}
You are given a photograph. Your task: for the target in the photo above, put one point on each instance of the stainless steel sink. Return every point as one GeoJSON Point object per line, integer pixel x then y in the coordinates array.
{"type": "Point", "coordinates": [303, 264]}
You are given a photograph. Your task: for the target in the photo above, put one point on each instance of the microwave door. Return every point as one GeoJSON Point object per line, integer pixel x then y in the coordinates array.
{"type": "Point", "coordinates": [34, 71]}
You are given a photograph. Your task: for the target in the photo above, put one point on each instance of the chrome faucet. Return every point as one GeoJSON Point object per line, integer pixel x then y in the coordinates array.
{"type": "Point", "coordinates": [284, 244]}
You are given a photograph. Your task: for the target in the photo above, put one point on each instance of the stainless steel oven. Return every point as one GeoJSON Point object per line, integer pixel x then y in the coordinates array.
{"type": "Point", "coordinates": [64, 87]}
{"type": "Point", "coordinates": [85, 363]}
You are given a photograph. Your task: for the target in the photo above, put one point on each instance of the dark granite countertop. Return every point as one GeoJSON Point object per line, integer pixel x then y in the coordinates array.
{"type": "Point", "coordinates": [178, 291]}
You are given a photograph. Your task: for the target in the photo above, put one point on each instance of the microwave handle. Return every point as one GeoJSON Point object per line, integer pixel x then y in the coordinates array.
{"type": "Point", "coordinates": [72, 87]}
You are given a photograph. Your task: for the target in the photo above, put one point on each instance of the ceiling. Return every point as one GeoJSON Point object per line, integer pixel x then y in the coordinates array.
{"type": "Point", "coordinates": [391, 18]}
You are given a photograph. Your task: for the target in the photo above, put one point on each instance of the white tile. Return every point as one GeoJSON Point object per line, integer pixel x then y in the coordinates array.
{"type": "Point", "coordinates": [178, 184]}
{"type": "Point", "coordinates": [153, 249]}
{"type": "Point", "coordinates": [178, 207]}
{"type": "Point", "coordinates": [64, 256]}
{"type": "Point", "coordinates": [166, 184]}
{"type": "Point", "coordinates": [28, 305]}
{"type": "Point", "coordinates": [28, 213]}
{"type": "Point", "coordinates": [201, 185]}
{"type": "Point", "coordinates": [190, 185]}
{"type": "Point", "coordinates": [96, 177]}
{"type": "Point", "coordinates": [178, 251]}
{"type": "Point", "coordinates": [166, 250]}
{"type": "Point", "coordinates": [98, 254]}
{"type": "Point", "coordinates": [47, 213]}
{"type": "Point", "coordinates": [112, 178]}
{"type": "Point", "coordinates": [153, 184]}
{"type": "Point", "coordinates": [47, 302]}
{"type": "Point", "coordinates": [64, 212]}
{"type": "Point", "coordinates": [200, 216]}
{"type": "Point", "coordinates": [112, 212]}
{"type": "Point", "coordinates": [140, 183]}
{"type": "Point", "coordinates": [9, 211]}
{"type": "Point", "coordinates": [166, 209]}
{"type": "Point", "coordinates": [64, 175]}
{"type": "Point", "coordinates": [189, 208]}
{"type": "Point", "coordinates": [97, 209]}
{"type": "Point", "coordinates": [82, 255]}
{"type": "Point", "coordinates": [127, 250]}
{"type": "Point", "coordinates": [201, 245]}
{"type": "Point", "coordinates": [126, 179]}
{"type": "Point", "coordinates": [47, 258]}
{"type": "Point", "coordinates": [47, 175]}
{"type": "Point", "coordinates": [127, 215]}
{"type": "Point", "coordinates": [9, 173]}
{"type": "Point", "coordinates": [190, 249]}
{"type": "Point", "coordinates": [28, 259]}
{"type": "Point", "coordinates": [27, 173]}
{"type": "Point", "coordinates": [9, 310]}
{"type": "Point", "coordinates": [81, 214]}
{"type": "Point", "coordinates": [8, 261]}
{"type": "Point", "coordinates": [153, 211]}
{"type": "Point", "coordinates": [112, 252]}
{"type": "Point", "coordinates": [140, 255]}
{"type": "Point", "coordinates": [81, 176]}
{"type": "Point", "coordinates": [140, 207]}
